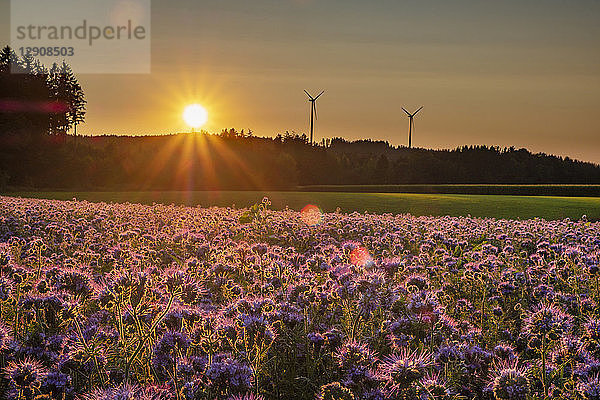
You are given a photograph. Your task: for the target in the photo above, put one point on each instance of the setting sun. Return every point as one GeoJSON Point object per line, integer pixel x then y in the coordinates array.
{"type": "Point", "coordinates": [195, 115]}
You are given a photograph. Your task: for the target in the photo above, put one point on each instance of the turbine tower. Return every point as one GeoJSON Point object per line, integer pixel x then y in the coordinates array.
{"type": "Point", "coordinates": [410, 124]}
{"type": "Point", "coordinates": [313, 112]}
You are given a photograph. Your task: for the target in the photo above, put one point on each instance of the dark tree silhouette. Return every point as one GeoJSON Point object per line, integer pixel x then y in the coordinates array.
{"type": "Point", "coordinates": [75, 97]}
{"type": "Point", "coordinates": [36, 101]}
{"type": "Point", "coordinates": [380, 174]}
{"type": "Point", "coordinates": [24, 98]}
{"type": "Point", "coordinates": [235, 161]}
{"type": "Point", "coordinates": [58, 121]}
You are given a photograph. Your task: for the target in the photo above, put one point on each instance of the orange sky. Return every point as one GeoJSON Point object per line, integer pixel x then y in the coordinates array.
{"type": "Point", "coordinates": [522, 73]}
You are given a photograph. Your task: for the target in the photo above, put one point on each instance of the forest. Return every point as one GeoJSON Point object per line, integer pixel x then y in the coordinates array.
{"type": "Point", "coordinates": [231, 160]}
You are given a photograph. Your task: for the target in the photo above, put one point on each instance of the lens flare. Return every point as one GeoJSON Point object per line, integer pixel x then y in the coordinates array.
{"type": "Point", "coordinates": [360, 257]}
{"type": "Point", "coordinates": [311, 215]}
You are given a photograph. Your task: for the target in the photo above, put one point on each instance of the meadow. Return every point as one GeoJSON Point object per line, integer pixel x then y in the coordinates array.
{"type": "Point", "coordinates": [129, 301]}
{"type": "Point", "coordinates": [493, 206]}
{"type": "Point", "coordinates": [560, 190]}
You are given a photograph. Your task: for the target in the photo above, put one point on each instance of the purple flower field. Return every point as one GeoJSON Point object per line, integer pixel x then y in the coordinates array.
{"type": "Point", "coordinates": [124, 301]}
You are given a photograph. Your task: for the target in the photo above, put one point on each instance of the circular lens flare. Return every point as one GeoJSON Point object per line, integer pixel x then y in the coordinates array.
{"type": "Point", "coordinates": [360, 257]}
{"type": "Point", "coordinates": [195, 115]}
{"type": "Point", "coordinates": [311, 215]}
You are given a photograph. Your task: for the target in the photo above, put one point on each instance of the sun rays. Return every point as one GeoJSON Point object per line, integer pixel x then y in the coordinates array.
{"type": "Point", "coordinates": [201, 161]}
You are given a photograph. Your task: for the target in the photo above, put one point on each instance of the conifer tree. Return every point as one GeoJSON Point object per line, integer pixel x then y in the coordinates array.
{"type": "Point", "coordinates": [60, 98]}
{"type": "Point", "coordinates": [77, 102]}
{"type": "Point", "coordinates": [8, 59]}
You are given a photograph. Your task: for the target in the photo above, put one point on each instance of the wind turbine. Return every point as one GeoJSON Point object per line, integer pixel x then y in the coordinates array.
{"type": "Point", "coordinates": [410, 124]}
{"type": "Point", "coordinates": [313, 111]}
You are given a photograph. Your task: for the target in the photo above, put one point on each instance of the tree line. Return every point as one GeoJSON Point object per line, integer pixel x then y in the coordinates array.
{"type": "Point", "coordinates": [202, 161]}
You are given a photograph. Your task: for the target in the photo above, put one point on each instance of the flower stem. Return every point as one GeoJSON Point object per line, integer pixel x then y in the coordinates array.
{"type": "Point", "coordinates": [544, 367]}
{"type": "Point", "coordinates": [145, 338]}
{"type": "Point", "coordinates": [86, 347]}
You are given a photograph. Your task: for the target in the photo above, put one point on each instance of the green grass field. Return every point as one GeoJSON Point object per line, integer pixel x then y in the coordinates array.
{"type": "Point", "coordinates": [499, 189]}
{"type": "Point", "coordinates": [520, 207]}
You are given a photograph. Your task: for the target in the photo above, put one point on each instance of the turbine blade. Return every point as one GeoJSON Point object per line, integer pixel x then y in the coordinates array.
{"type": "Point", "coordinates": [314, 105]}
{"type": "Point", "coordinates": [320, 94]}
{"type": "Point", "coordinates": [420, 108]}
{"type": "Point", "coordinates": [407, 113]}
{"type": "Point", "coordinates": [308, 94]}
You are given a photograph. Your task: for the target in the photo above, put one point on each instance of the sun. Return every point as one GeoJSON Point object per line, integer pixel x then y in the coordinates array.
{"type": "Point", "coordinates": [195, 115]}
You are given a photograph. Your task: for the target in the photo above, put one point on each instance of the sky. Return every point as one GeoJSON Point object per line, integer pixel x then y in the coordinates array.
{"type": "Point", "coordinates": [508, 73]}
